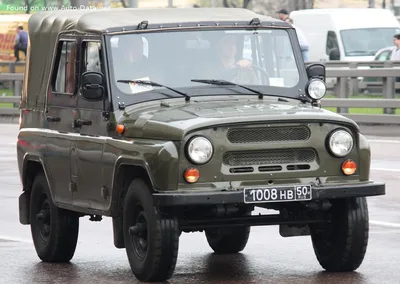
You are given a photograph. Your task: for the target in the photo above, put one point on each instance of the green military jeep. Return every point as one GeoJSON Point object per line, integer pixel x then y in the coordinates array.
{"type": "Point", "coordinates": [184, 120]}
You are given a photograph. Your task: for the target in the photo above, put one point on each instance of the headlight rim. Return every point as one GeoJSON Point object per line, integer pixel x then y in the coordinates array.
{"type": "Point", "coordinates": [190, 140]}
{"type": "Point", "coordinates": [308, 85]}
{"type": "Point", "coordinates": [329, 137]}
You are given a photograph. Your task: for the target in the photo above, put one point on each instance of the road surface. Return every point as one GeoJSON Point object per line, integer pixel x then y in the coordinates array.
{"type": "Point", "coordinates": [268, 258]}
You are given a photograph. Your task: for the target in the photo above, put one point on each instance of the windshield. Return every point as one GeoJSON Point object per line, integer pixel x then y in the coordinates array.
{"type": "Point", "coordinates": [258, 58]}
{"type": "Point", "coordinates": [366, 42]}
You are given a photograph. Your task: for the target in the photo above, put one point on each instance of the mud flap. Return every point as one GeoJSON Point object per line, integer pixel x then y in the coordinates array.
{"type": "Point", "coordinates": [24, 200]}
{"type": "Point", "coordinates": [118, 232]}
{"type": "Point", "coordinates": [294, 230]}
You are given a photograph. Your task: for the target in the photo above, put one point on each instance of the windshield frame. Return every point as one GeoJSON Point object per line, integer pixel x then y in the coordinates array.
{"type": "Point", "coordinates": [204, 89]}
{"type": "Point", "coordinates": [346, 52]}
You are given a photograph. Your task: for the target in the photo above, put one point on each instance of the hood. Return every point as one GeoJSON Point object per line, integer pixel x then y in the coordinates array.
{"type": "Point", "coordinates": [173, 122]}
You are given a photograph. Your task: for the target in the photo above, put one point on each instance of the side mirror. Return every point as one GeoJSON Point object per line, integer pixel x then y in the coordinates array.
{"type": "Point", "coordinates": [316, 70]}
{"type": "Point", "coordinates": [334, 54]}
{"type": "Point", "coordinates": [92, 86]}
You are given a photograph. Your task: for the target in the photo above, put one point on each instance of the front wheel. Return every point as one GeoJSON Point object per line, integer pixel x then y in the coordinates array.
{"type": "Point", "coordinates": [54, 230]}
{"type": "Point", "coordinates": [340, 246]}
{"type": "Point", "coordinates": [151, 241]}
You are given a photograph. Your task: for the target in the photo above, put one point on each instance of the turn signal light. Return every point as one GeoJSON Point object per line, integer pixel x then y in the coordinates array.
{"type": "Point", "coordinates": [120, 128]}
{"type": "Point", "coordinates": [192, 175]}
{"type": "Point", "coordinates": [349, 167]}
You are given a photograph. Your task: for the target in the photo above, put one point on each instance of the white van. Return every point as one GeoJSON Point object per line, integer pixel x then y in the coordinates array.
{"type": "Point", "coordinates": [354, 34]}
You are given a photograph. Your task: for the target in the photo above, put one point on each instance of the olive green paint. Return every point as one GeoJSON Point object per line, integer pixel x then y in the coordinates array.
{"type": "Point", "coordinates": [82, 163]}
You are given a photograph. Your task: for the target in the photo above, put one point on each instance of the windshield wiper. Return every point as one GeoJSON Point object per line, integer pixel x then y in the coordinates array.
{"type": "Point", "coordinates": [154, 84]}
{"type": "Point", "coordinates": [226, 83]}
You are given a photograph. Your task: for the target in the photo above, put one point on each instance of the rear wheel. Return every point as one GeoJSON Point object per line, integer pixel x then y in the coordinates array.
{"type": "Point", "coordinates": [151, 241]}
{"type": "Point", "coordinates": [340, 246]}
{"type": "Point", "coordinates": [54, 230]}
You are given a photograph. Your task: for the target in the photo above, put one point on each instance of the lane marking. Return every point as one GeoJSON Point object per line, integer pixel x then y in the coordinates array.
{"type": "Point", "coordinates": [385, 224]}
{"type": "Point", "coordinates": [384, 169]}
{"type": "Point", "coordinates": [15, 239]}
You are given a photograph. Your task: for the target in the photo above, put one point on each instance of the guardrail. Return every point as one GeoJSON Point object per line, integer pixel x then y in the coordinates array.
{"type": "Point", "coordinates": [346, 86]}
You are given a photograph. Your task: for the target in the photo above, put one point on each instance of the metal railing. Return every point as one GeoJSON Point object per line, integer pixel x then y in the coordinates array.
{"type": "Point", "coordinates": [346, 82]}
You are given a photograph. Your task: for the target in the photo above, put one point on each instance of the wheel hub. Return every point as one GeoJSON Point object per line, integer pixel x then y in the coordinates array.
{"type": "Point", "coordinates": [44, 220]}
{"type": "Point", "coordinates": [138, 234]}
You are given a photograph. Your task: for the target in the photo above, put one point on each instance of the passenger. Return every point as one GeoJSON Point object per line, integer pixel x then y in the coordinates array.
{"type": "Point", "coordinates": [131, 63]}
{"type": "Point", "coordinates": [135, 50]}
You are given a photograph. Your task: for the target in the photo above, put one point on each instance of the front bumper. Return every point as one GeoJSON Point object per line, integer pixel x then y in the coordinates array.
{"type": "Point", "coordinates": [236, 197]}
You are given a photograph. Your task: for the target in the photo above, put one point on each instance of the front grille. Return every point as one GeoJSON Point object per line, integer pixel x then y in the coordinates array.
{"type": "Point", "coordinates": [268, 134]}
{"type": "Point", "coordinates": [269, 157]}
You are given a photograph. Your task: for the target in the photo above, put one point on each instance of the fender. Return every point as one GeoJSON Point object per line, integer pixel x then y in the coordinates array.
{"type": "Point", "coordinates": [29, 157]}
{"type": "Point", "coordinates": [27, 178]}
{"type": "Point", "coordinates": [160, 169]}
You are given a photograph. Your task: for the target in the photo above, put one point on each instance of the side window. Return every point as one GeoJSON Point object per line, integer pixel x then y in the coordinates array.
{"type": "Point", "coordinates": [65, 78]}
{"type": "Point", "coordinates": [91, 62]}
{"type": "Point", "coordinates": [331, 41]}
{"type": "Point", "coordinates": [383, 56]}
{"type": "Point", "coordinates": [91, 57]}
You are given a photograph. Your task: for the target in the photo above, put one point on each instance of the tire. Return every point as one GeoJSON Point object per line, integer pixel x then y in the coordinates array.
{"type": "Point", "coordinates": [54, 230]}
{"type": "Point", "coordinates": [156, 262]}
{"type": "Point", "coordinates": [341, 245]}
{"type": "Point", "coordinates": [228, 240]}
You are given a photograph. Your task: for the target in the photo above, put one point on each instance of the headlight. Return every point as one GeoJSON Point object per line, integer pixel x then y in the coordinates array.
{"type": "Point", "coordinates": [341, 142]}
{"type": "Point", "coordinates": [200, 150]}
{"type": "Point", "coordinates": [316, 89]}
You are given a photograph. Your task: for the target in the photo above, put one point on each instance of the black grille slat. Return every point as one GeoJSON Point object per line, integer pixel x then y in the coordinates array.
{"type": "Point", "coordinates": [269, 157]}
{"type": "Point", "coordinates": [268, 134]}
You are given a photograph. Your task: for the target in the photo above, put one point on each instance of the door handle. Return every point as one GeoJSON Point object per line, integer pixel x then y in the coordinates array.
{"type": "Point", "coordinates": [53, 118]}
{"type": "Point", "coordinates": [79, 122]}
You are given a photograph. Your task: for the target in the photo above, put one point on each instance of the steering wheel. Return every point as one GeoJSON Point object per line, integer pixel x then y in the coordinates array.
{"type": "Point", "coordinates": [244, 75]}
{"type": "Point", "coordinates": [262, 70]}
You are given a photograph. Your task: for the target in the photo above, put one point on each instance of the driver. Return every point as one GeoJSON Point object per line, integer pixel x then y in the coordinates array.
{"type": "Point", "coordinates": [227, 52]}
{"type": "Point", "coordinates": [227, 68]}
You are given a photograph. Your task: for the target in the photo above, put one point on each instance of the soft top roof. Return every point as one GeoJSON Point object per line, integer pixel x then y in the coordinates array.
{"type": "Point", "coordinates": [45, 27]}
{"type": "Point", "coordinates": [105, 20]}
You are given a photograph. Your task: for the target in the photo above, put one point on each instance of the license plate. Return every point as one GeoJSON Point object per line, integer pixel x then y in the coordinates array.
{"type": "Point", "coordinates": [277, 194]}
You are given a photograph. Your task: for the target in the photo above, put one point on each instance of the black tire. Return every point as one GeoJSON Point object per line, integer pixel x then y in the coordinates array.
{"type": "Point", "coordinates": [54, 230]}
{"type": "Point", "coordinates": [156, 261]}
{"type": "Point", "coordinates": [228, 240]}
{"type": "Point", "coordinates": [340, 246]}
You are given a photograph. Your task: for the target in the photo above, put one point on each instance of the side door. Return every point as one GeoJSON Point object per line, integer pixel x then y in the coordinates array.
{"type": "Point", "coordinates": [61, 104]}
{"type": "Point", "coordinates": [91, 122]}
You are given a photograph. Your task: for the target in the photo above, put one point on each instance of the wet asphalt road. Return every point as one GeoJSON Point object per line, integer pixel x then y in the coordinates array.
{"type": "Point", "coordinates": [268, 258]}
